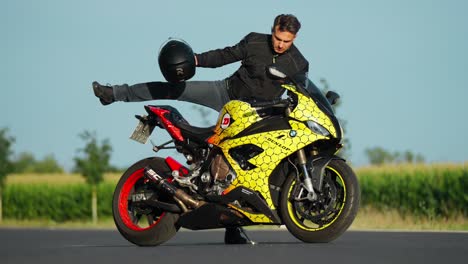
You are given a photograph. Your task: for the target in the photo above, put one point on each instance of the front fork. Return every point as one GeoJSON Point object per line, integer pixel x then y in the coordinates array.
{"type": "Point", "coordinates": [302, 162]}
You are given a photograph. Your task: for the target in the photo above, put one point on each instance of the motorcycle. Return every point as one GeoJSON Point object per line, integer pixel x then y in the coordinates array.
{"type": "Point", "coordinates": [263, 163]}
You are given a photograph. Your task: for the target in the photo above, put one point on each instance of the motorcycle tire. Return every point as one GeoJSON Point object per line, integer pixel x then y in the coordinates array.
{"type": "Point", "coordinates": [159, 226]}
{"type": "Point", "coordinates": [331, 214]}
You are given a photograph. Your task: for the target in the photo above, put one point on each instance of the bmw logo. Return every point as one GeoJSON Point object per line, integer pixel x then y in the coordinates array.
{"type": "Point", "coordinates": [292, 133]}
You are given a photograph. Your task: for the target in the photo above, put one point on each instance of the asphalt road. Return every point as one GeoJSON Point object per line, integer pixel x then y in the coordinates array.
{"type": "Point", "coordinates": [107, 246]}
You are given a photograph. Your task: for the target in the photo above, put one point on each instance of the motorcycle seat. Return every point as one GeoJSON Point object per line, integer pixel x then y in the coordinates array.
{"type": "Point", "coordinates": [199, 134]}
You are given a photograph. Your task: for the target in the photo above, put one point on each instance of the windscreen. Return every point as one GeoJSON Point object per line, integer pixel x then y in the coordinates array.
{"type": "Point", "coordinates": [307, 87]}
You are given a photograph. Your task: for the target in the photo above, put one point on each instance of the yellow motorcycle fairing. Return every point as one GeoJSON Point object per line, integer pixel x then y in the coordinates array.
{"type": "Point", "coordinates": [307, 110]}
{"type": "Point", "coordinates": [242, 113]}
{"type": "Point", "coordinates": [236, 116]}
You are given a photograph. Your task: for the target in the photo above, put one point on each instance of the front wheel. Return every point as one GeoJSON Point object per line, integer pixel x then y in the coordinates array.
{"type": "Point", "coordinates": [137, 222]}
{"type": "Point", "coordinates": [330, 215]}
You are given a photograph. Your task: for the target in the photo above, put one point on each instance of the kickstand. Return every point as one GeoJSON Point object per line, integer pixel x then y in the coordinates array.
{"type": "Point", "coordinates": [247, 237]}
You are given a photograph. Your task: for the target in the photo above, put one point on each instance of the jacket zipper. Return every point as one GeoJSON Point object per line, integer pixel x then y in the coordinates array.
{"type": "Point", "coordinates": [274, 58]}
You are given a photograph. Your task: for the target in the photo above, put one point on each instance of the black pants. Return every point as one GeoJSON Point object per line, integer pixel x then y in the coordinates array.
{"type": "Point", "coordinates": [212, 94]}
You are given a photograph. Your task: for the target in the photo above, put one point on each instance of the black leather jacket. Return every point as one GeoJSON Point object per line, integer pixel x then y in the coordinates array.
{"type": "Point", "coordinates": [252, 79]}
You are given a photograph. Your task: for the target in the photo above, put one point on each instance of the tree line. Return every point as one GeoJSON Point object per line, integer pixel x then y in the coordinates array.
{"type": "Point", "coordinates": [92, 161]}
{"type": "Point", "coordinates": [381, 156]}
{"type": "Point", "coordinates": [26, 162]}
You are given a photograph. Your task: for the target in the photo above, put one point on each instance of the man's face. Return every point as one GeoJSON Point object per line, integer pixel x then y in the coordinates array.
{"type": "Point", "coordinates": [282, 40]}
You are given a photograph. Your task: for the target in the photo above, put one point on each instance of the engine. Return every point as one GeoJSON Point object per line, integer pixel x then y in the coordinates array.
{"type": "Point", "coordinates": [219, 176]}
{"type": "Point", "coordinates": [210, 179]}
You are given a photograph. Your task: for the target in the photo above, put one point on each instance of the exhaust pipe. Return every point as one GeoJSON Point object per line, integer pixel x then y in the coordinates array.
{"type": "Point", "coordinates": [179, 194]}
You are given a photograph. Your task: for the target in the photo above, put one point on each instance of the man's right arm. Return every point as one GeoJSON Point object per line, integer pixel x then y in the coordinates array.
{"type": "Point", "coordinates": [220, 57]}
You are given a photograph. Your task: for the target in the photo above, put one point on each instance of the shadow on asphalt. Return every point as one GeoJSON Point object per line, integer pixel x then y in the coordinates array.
{"type": "Point", "coordinates": [195, 244]}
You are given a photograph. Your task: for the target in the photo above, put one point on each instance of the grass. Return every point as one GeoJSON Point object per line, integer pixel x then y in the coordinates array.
{"type": "Point", "coordinates": [107, 223]}
{"type": "Point", "coordinates": [410, 168]}
{"type": "Point", "coordinates": [55, 178]}
{"type": "Point", "coordinates": [367, 219]}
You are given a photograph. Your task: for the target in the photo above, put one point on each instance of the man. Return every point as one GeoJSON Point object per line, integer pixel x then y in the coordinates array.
{"type": "Point", "coordinates": [250, 82]}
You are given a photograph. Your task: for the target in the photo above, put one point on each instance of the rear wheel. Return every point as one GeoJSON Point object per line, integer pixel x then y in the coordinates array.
{"type": "Point", "coordinates": [137, 222]}
{"type": "Point", "coordinates": [326, 218]}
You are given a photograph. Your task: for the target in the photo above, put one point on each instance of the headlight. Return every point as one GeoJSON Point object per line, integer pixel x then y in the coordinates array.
{"type": "Point", "coordinates": [318, 129]}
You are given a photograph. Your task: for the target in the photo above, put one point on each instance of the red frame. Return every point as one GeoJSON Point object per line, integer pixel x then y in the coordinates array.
{"type": "Point", "coordinates": [176, 166]}
{"type": "Point", "coordinates": [170, 127]}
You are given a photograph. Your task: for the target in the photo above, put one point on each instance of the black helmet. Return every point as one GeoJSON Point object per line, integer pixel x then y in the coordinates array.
{"type": "Point", "coordinates": [176, 61]}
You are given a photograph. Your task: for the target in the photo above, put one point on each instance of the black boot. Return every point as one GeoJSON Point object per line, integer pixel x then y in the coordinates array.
{"type": "Point", "coordinates": [104, 93]}
{"type": "Point", "coordinates": [236, 235]}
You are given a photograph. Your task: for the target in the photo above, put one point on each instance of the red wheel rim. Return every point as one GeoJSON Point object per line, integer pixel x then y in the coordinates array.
{"type": "Point", "coordinates": [123, 202]}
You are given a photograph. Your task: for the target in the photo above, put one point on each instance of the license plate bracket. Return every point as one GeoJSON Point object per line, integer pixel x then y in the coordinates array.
{"type": "Point", "coordinates": [142, 132]}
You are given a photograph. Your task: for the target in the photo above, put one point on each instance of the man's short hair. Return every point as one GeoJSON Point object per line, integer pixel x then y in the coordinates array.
{"type": "Point", "coordinates": [287, 22]}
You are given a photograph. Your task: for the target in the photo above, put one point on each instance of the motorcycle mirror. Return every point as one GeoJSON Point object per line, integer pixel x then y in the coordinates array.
{"type": "Point", "coordinates": [277, 73]}
{"type": "Point", "coordinates": [332, 97]}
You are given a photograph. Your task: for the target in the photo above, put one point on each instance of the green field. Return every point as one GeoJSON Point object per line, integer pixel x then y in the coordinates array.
{"type": "Point", "coordinates": [411, 197]}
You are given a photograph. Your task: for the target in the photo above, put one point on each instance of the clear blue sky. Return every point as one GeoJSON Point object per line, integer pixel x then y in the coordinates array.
{"type": "Point", "coordinates": [400, 67]}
